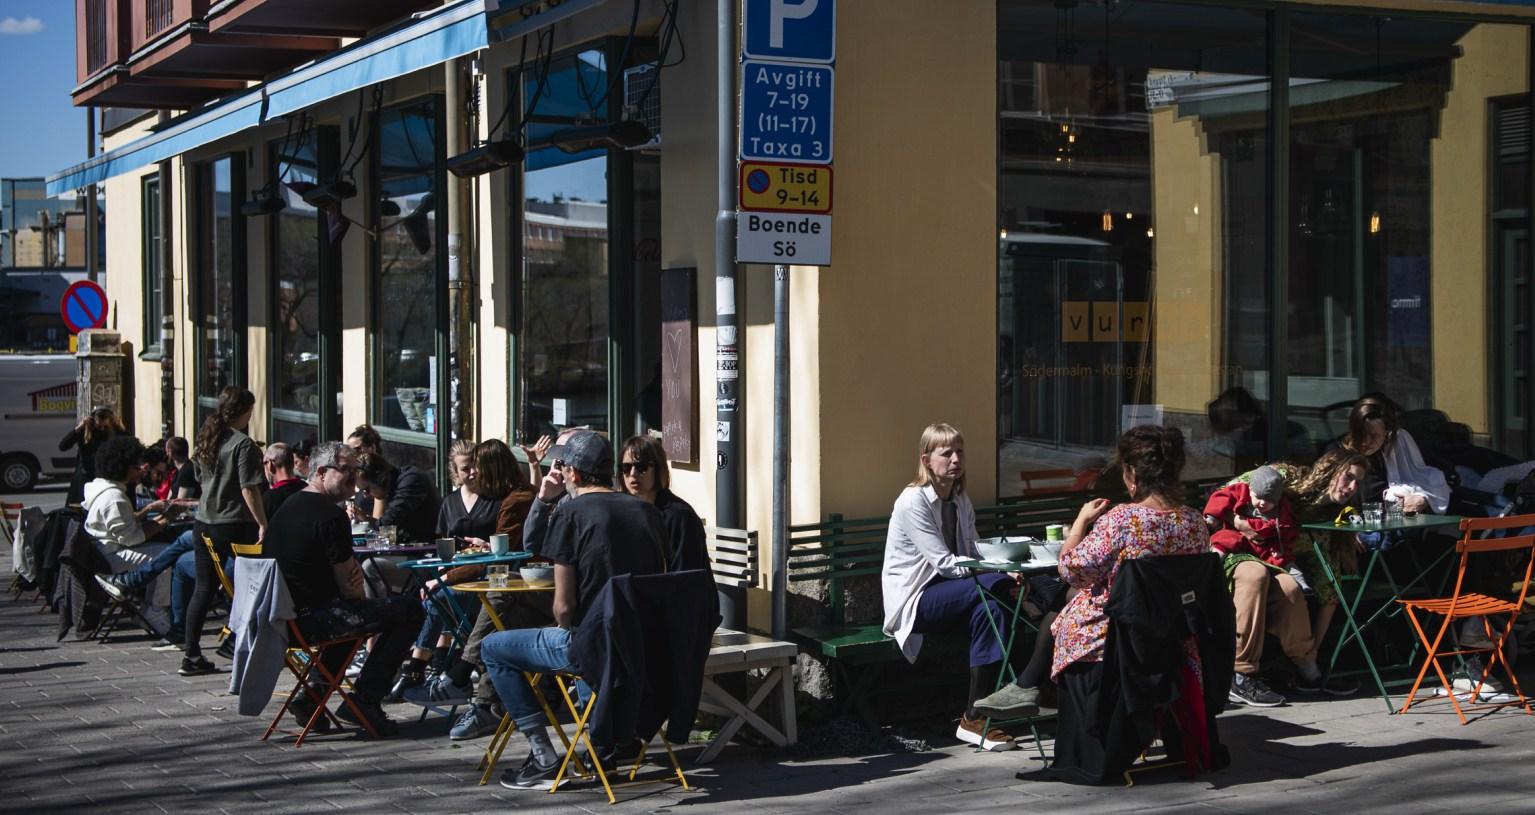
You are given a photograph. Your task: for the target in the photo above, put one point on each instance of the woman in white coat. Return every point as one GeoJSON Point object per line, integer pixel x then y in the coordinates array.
{"type": "Point", "coordinates": [932, 529]}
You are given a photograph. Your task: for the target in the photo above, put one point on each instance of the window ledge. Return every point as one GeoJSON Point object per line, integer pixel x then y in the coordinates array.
{"type": "Point", "coordinates": [152, 354]}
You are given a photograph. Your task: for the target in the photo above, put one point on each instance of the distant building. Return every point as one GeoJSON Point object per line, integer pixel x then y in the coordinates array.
{"type": "Point", "coordinates": [41, 232]}
{"type": "Point", "coordinates": [29, 309]}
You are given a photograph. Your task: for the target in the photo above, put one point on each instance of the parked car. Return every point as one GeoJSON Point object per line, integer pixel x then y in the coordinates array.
{"type": "Point", "coordinates": [37, 407]}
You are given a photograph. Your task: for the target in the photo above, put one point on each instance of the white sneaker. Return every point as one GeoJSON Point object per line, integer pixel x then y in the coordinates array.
{"type": "Point", "coordinates": [355, 669]}
{"type": "Point", "coordinates": [1468, 684]}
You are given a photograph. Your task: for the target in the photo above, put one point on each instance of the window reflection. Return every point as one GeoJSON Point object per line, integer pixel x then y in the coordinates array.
{"type": "Point", "coordinates": [1131, 233]}
{"type": "Point", "coordinates": [407, 272]}
{"type": "Point", "coordinates": [216, 313]}
{"type": "Point", "coordinates": [296, 306]}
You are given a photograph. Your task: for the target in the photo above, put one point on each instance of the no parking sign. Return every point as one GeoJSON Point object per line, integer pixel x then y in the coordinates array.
{"type": "Point", "coordinates": [84, 306]}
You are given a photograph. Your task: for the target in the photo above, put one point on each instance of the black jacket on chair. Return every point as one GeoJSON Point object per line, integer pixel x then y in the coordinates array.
{"type": "Point", "coordinates": [1112, 711]}
{"type": "Point", "coordinates": [642, 648]}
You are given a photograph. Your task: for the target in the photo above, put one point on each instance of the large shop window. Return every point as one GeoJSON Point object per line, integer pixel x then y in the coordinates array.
{"type": "Point", "coordinates": [1143, 241]}
{"type": "Point", "coordinates": [1393, 256]}
{"type": "Point", "coordinates": [565, 242]}
{"type": "Point", "coordinates": [220, 315]}
{"type": "Point", "coordinates": [1131, 237]}
{"type": "Point", "coordinates": [299, 256]}
{"type": "Point", "coordinates": [152, 237]}
{"type": "Point", "coordinates": [409, 281]}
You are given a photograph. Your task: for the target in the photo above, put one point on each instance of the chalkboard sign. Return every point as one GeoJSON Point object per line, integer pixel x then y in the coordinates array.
{"type": "Point", "coordinates": [679, 364]}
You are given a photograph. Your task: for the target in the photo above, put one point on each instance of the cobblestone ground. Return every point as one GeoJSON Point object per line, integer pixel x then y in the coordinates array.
{"type": "Point", "coordinates": [86, 727]}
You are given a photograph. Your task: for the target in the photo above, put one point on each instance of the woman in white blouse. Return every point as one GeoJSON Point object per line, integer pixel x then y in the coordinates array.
{"type": "Point", "coordinates": [932, 529]}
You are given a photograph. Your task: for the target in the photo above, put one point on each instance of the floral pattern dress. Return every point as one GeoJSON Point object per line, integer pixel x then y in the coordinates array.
{"type": "Point", "coordinates": [1126, 531]}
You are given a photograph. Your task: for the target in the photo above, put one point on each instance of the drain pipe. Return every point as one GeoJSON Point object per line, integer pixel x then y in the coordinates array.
{"type": "Point", "coordinates": [460, 351]}
{"type": "Point", "coordinates": [729, 411]}
{"type": "Point", "coordinates": [167, 301]}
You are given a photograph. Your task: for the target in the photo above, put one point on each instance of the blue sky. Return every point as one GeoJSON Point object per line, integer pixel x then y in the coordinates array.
{"type": "Point", "coordinates": [40, 131]}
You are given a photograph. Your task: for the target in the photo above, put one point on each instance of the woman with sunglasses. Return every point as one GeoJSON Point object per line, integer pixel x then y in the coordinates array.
{"type": "Point", "coordinates": [646, 475]}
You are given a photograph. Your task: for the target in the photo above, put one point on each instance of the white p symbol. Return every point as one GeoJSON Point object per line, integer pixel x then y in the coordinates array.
{"type": "Point", "coordinates": [780, 10]}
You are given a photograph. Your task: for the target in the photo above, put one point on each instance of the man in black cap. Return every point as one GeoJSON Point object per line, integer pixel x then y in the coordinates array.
{"type": "Point", "coordinates": [598, 533]}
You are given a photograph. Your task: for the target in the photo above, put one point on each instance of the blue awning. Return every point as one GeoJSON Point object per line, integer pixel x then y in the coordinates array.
{"type": "Point", "coordinates": [433, 39]}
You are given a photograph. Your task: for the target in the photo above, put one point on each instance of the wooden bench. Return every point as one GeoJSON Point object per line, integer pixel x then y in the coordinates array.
{"type": "Point", "coordinates": [734, 560]}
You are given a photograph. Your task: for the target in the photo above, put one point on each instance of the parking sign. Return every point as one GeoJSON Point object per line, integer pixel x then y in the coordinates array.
{"type": "Point", "coordinates": [791, 30]}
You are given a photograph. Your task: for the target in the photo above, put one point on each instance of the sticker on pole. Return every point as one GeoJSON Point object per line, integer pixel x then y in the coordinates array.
{"type": "Point", "coordinates": [785, 187]}
{"type": "Point", "coordinates": [796, 240]}
{"type": "Point", "coordinates": [84, 306]}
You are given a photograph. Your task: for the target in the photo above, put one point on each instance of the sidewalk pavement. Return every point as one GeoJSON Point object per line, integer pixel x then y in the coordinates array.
{"type": "Point", "coordinates": [112, 728]}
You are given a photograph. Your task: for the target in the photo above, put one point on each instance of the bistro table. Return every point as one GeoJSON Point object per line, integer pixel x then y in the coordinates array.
{"type": "Point", "coordinates": [1039, 562]}
{"type": "Point", "coordinates": [1351, 606]}
{"type": "Point", "coordinates": [503, 734]}
{"type": "Point", "coordinates": [367, 552]}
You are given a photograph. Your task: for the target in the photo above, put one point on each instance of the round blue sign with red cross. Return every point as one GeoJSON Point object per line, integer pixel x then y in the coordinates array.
{"type": "Point", "coordinates": [84, 306]}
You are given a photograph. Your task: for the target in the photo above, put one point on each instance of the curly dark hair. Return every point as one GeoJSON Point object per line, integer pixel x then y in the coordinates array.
{"type": "Point", "coordinates": [234, 402]}
{"type": "Point", "coordinates": [367, 437]}
{"type": "Point", "coordinates": [1153, 455]}
{"type": "Point", "coordinates": [117, 455]}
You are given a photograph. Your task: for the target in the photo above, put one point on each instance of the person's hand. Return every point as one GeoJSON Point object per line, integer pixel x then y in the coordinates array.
{"type": "Point", "coordinates": [1241, 525]}
{"type": "Point", "coordinates": [475, 543]}
{"type": "Point", "coordinates": [352, 513]}
{"type": "Point", "coordinates": [1092, 511]}
{"type": "Point", "coordinates": [156, 507]}
{"type": "Point", "coordinates": [537, 450]}
{"type": "Point", "coordinates": [551, 487]}
{"type": "Point", "coordinates": [1415, 503]}
{"type": "Point", "coordinates": [260, 534]}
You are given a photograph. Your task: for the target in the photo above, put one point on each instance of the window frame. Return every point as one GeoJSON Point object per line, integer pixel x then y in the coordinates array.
{"type": "Point", "coordinates": [151, 247]}
{"type": "Point", "coordinates": [239, 275]}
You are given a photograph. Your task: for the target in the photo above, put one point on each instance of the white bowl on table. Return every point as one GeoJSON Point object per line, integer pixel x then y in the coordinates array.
{"type": "Point", "coordinates": [537, 577]}
{"type": "Point", "coordinates": [1004, 550]}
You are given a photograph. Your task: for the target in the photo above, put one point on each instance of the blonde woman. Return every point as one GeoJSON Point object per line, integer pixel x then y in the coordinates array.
{"type": "Point", "coordinates": [926, 592]}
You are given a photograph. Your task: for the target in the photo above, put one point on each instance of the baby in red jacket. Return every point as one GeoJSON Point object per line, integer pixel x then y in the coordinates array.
{"type": "Point", "coordinates": [1253, 518]}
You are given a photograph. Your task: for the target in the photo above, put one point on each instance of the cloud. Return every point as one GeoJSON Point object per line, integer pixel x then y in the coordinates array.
{"type": "Point", "coordinates": [22, 27]}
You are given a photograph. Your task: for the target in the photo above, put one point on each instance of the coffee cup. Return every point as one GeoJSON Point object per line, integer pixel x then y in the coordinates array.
{"type": "Point", "coordinates": [500, 543]}
{"type": "Point", "coordinates": [446, 548]}
{"type": "Point", "coordinates": [1055, 532]}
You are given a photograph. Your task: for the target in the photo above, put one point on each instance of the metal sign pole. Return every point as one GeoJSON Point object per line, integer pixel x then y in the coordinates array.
{"type": "Point", "coordinates": [780, 451]}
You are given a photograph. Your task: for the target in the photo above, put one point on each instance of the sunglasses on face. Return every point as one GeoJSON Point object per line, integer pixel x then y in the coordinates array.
{"type": "Point", "coordinates": [635, 467]}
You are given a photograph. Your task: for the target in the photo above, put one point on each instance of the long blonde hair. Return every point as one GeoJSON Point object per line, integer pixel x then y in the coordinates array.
{"type": "Point", "coordinates": [936, 435]}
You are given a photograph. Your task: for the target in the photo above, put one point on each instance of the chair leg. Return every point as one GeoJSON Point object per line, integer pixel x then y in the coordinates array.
{"type": "Point", "coordinates": [497, 744]}
{"type": "Point", "coordinates": [582, 736]}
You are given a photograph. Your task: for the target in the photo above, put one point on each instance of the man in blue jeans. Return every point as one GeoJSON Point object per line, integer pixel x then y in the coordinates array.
{"type": "Point", "coordinates": [597, 534]}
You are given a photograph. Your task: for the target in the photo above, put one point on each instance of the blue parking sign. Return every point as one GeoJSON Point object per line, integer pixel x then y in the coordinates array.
{"type": "Point", "coordinates": [791, 30]}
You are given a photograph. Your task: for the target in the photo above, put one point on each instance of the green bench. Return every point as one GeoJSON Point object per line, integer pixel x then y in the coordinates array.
{"type": "Point", "coordinates": [839, 550]}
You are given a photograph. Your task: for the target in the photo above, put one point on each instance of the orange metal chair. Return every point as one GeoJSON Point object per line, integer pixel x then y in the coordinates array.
{"type": "Point", "coordinates": [303, 659]}
{"type": "Point", "coordinates": [1464, 605]}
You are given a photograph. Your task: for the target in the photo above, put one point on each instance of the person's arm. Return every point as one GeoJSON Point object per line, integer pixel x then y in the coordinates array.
{"type": "Point", "coordinates": [349, 579]}
{"type": "Point", "coordinates": [1218, 509]}
{"type": "Point", "coordinates": [1088, 554]}
{"type": "Point", "coordinates": [916, 524]}
{"type": "Point", "coordinates": [536, 527]}
{"type": "Point", "coordinates": [512, 518]}
{"type": "Point", "coordinates": [121, 526]}
{"type": "Point", "coordinates": [72, 438]}
{"type": "Point", "coordinates": [253, 502]}
{"type": "Point", "coordinates": [564, 594]}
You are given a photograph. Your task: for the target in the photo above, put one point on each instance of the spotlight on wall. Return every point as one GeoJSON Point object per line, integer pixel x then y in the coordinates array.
{"type": "Point", "coordinates": [328, 195]}
{"type": "Point", "coordinates": [263, 203]}
{"type": "Point", "coordinates": [623, 135]}
{"type": "Point", "coordinates": [487, 158]}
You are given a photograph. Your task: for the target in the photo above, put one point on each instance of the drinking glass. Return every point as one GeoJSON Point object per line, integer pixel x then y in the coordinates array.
{"type": "Point", "coordinates": [1374, 513]}
{"type": "Point", "coordinates": [391, 535]}
{"type": "Point", "coordinates": [1394, 512]}
{"type": "Point", "coordinates": [499, 576]}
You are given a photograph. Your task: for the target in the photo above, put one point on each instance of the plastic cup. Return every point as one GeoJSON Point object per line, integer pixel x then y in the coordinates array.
{"type": "Point", "coordinates": [1055, 532]}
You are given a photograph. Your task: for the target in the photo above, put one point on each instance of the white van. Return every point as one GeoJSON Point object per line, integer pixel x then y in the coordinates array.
{"type": "Point", "coordinates": [37, 407]}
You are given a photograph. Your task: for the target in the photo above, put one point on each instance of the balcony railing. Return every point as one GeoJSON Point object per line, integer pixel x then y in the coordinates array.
{"type": "Point", "coordinates": [158, 16]}
{"type": "Point", "coordinates": [96, 35]}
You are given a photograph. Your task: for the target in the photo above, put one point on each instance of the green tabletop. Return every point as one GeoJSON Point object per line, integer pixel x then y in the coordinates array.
{"type": "Point", "coordinates": [1419, 521]}
{"type": "Point", "coordinates": [1025, 566]}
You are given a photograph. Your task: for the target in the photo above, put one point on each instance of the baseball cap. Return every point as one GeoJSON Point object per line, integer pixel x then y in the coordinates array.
{"type": "Point", "coordinates": [587, 451]}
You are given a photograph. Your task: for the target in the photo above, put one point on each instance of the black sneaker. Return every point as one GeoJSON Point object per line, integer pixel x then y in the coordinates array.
{"type": "Point", "coordinates": [166, 644]}
{"type": "Point", "coordinates": [382, 724]}
{"type": "Point", "coordinates": [1250, 690]}
{"type": "Point", "coordinates": [1334, 686]}
{"type": "Point", "coordinates": [531, 775]}
{"type": "Point", "coordinates": [226, 649]}
{"type": "Point", "coordinates": [302, 708]}
{"type": "Point", "coordinates": [112, 584]}
{"type": "Point", "coordinates": [407, 680]}
{"type": "Point", "coordinates": [197, 667]}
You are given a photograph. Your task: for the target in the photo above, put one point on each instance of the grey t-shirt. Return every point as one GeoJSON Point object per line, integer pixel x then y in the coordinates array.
{"type": "Point", "coordinates": [238, 464]}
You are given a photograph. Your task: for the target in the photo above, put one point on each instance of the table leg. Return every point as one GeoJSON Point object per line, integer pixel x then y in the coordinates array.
{"type": "Point", "coordinates": [490, 610]}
